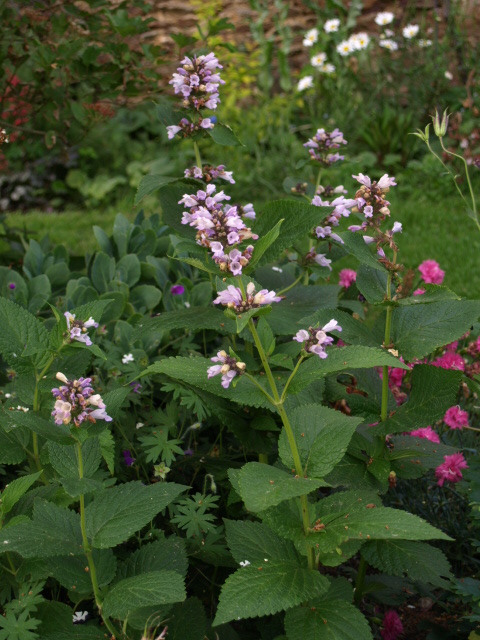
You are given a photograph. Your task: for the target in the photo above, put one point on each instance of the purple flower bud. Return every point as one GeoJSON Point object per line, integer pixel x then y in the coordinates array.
{"type": "Point", "coordinates": [128, 459]}
{"type": "Point", "coordinates": [12, 285]}
{"type": "Point", "coordinates": [177, 290]}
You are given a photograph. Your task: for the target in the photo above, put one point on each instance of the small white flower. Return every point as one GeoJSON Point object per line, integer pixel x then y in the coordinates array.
{"type": "Point", "coordinates": [139, 425]}
{"type": "Point", "coordinates": [389, 44]}
{"type": "Point", "coordinates": [384, 17]}
{"type": "Point", "coordinates": [310, 38]}
{"type": "Point", "coordinates": [8, 395]}
{"type": "Point", "coordinates": [331, 25]}
{"type": "Point", "coordinates": [187, 305]}
{"type": "Point", "coordinates": [448, 75]}
{"type": "Point", "coordinates": [6, 542]}
{"type": "Point", "coordinates": [410, 31]}
{"type": "Point", "coordinates": [80, 616]}
{"type": "Point", "coordinates": [327, 68]}
{"type": "Point", "coordinates": [128, 357]}
{"type": "Point", "coordinates": [424, 43]}
{"type": "Point", "coordinates": [360, 41]}
{"type": "Point", "coordinates": [245, 563]}
{"type": "Point", "coordinates": [305, 83]}
{"type": "Point", "coordinates": [277, 269]}
{"type": "Point", "coordinates": [318, 59]}
{"type": "Point", "coordinates": [24, 409]}
{"type": "Point", "coordinates": [345, 48]}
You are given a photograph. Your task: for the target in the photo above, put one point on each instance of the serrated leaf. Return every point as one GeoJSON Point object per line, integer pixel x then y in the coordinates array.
{"type": "Point", "coordinates": [327, 619]}
{"type": "Point", "coordinates": [12, 420]}
{"type": "Point", "coordinates": [418, 560]}
{"type": "Point", "coordinates": [152, 588]}
{"type": "Point", "coordinates": [12, 445]}
{"type": "Point", "coordinates": [161, 555]}
{"type": "Point", "coordinates": [222, 134]}
{"type": "Point", "coordinates": [419, 330]}
{"type": "Point", "coordinates": [107, 448]}
{"type": "Point", "coordinates": [64, 459]}
{"type": "Point", "coordinates": [117, 513]}
{"type": "Point", "coordinates": [372, 283]}
{"type": "Point", "coordinates": [298, 303]}
{"type": "Point", "coordinates": [15, 490]}
{"type": "Point", "coordinates": [353, 473]}
{"type": "Point", "coordinates": [433, 293]}
{"type": "Point", "coordinates": [70, 572]}
{"type": "Point", "coordinates": [21, 331]}
{"type": "Point", "coordinates": [114, 400]}
{"type": "Point", "coordinates": [262, 245]}
{"type": "Point", "coordinates": [76, 487]}
{"type": "Point", "coordinates": [434, 390]}
{"type": "Point", "coordinates": [322, 436]}
{"type": "Point", "coordinates": [169, 197]}
{"type": "Point", "coordinates": [203, 265]}
{"type": "Point", "coordinates": [256, 542]}
{"type": "Point", "coordinates": [262, 486]}
{"type": "Point", "coordinates": [191, 319]}
{"type": "Point", "coordinates": [94, 309]}
{"type": "Point", "coordinates": [353, 331]}
{"type": "Point", "coordinates": [298, 219]}
{"type": "Point", "coordinates": [355, 245]}
{"type": "Point", "coordinates": [187, 620]}
{"type": "Point", "coordinates": [57, 528]}
{"type": "Point", "coordinates": [149, 184]}
{"type": "Point", "coordinates": [267, 588]}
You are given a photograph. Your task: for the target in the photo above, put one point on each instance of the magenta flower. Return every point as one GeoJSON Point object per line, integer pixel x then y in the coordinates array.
{"type": "Point", "coordinates": [456, 418]}
{"type": "Point", "coordinates": [229, 368]}
{"type": "Point", "coordinates": [427, 432]}
{"type": "Point", "coordinates": [392, 626]}
{"type": "Point", "coordinates": [450, 470]}
{"type": "Point", "coordinates": [347, 277]}
{"type": "Point", "coordinates": [12, 285]}
{"type": "Point", "coordinates": [419, 292]}
{"type": "Point", "coordinates": [450, 360]}
{"type": "Point", "coordinates": [431, 272]}
{"type": "Point", "coordinates": [177, 290]}
{"type": "Point", "coordinates": [316, 340]}
{"type": "Point", "coordinates": [128, 459]}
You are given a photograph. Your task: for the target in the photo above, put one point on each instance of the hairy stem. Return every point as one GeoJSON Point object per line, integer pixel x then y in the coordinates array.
{"type": "Point", "coordinates": [388, 326]}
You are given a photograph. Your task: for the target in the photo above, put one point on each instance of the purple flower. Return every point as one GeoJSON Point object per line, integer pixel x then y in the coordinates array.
{"type": "Point", "coordinates": [229, 367]}
{"type": "Point", "coordinates": [128, 459]}
{"type": "Point", "coordinates": [233, 298]}
{"type": "Point", "coordinates": [188, 452]}
{"type": "Point", "coordinates": [322, 143]}
{"type": "Point", "coordinates": [78, 329]}
{"type": "Point", "coordinates": [136, 386]}
{"type": "Point", "coordinates": [177, 290]}
{"type": "Point", "coordinates": [316, 340]}
{"type": "Point", "coordinates": [197, 82]}
{"type": "Point", "coordinates": [76, 401]}
{"type": "Point", "coordinates": [12, 285]}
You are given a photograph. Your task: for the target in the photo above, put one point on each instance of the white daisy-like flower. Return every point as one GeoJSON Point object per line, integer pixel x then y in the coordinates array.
{"type": "Point", "coordinates": [128, 357]}
{"type": "Point", "coordinates": [360, 41]}
{"type": "Point", "coordinates": [327, 68]}
{"type": "Point", "coordinates": [388, 44]}
{"type": "Point", "coordinates": [384, 17]}
{"type": "Point", "coordinates": [80, 616]}
{"type": "Point", "coordinates": [410, 31]}
{"type": "Point", "coordinates": [331, 26]}
{"type": "Point", "coordinates": [318, 60]}
{"type": "Point", "coordinates": [310, 38]}
{"type": "Point", "coordinates": [424, 43]}
{"type": "Point", "coordinates": [345, 48]}
{"type": "Point", "coordinates": [305, 83]}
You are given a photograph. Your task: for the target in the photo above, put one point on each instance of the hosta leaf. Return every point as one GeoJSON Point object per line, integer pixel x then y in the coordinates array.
{"type": "Point", "coordinates": [113, 516]}
{"type": "Point", "coordinates": [262, 486]}
{"type": "Point", "coordinates": [299, 218]}
{"type": "Point", "coordinates": [327, 619]}
{"type": "Point", "coordinates": [419, 330]}
{"type": "Point", "coordinates": [266, 588]}
{"type": "Point", "coordinates": [434, 390]}
{"type": "Point", "coordinates": [418, 560]}
{"type": "Point", "coordinates": [254, 542]}
{"type": "Point", "coordinates": [57, 528]}
{"type": "Point", "coordinates": [152, 588]}
{"type": "Point", "coordinates": [322, 436]}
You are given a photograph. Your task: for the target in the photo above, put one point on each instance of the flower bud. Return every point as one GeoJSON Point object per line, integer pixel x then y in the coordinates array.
{"type": "Point", "coordinates": [385, 211]}
{"type": "Point", "coordinates": [222, 354]}
{"type": "Point", "coordinates": [440, 126]}
{"type": "Point", "coordinates": [62, 377]}
{"type": "Point", "coordinates": [241, 365]}
{"type": "Point", "coordinates": [225, 368]}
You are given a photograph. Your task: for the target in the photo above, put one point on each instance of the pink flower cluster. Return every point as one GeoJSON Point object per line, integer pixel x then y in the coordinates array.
{"type": "Point", "coordinates": [233, 298]}
{"type": "Point", "coordinates": [392, 626]}
{"type": "Point", "coordinates": [229, 368]}
{"type": "Point", "coordinates": [450, 360]}
{"type": "Point", "coordinates": [78, 329]}
{"type": "Point", "coordinates": [316, 340]}
{"type": "Point", "coordinates": [220, 227]}
{"type": "Point", "coordinates": [426, 432]}
{"type": "Point", "coordinates": [451, 469]}
{"type": "Point", "coordinates": [347, 277]}
{"type": "Point", "coordinates": [431, 272]}
{"type": "Point", "coordinates": [321, 145]}
{"type": "Point", "coordinates": [456, 418]}
{"type": "Point", "coordinates": [77, 402]}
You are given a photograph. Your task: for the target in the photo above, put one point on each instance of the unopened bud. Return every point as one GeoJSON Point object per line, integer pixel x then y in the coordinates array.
{"type": "Point", "coordinates": [62, 377]}
{"type": "Point", "coordinates": [440, 126]}
{"type": "Point", "coordinates": [241, 365]}
{"type": "Point", "coordinates": [385, 211]}
{"type": "Point", "coordinates": [202, 87]}
{"type": "Point", "coordinates": [225, 368]}
{"type": "Point", "coordinates": [222, 354]}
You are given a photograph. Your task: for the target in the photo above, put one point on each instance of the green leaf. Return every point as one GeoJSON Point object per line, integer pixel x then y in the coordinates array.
{"type": "Point", "coordinates": [192, 319]}
{"type": "Point", "coordinates": [262, 244]}
{"type": "Point", "coordinates": [434, 390]}
{"type": "Point", "coordinates": [433, 293]}
{"type": "Point", "coordinates": [117, 513]}
{"type": "Point", "coordinates": [256, 542]}
{"type": "Point", "coordinates": [187, 620]}
{"type": "Point", "coordinates": [298, 219]}
{"type": "Point", "coordinates": [327, 619]}
{"type": "Point", "coordinates": [162, 555]}
{"type": "Point", "coordinates": [70, 572]}
{"type": "Point", "coordinates": [145, 297]}
{"type": "Point", "coordinates": [103, 271]}
{"type": "Point", "coordinates": [419, 330]}
{"type": "Point", "coordinates": [158, 446]}
{"type": "Point", "coordinates": [12, 420]}
{"type": "Point", "coordinates": [322, 436]}
{"type": "Point", "coordinates": [18, 627]}
{"type": "Point", "coordinates": [169, 197]}
{"type": "Point", "coordinates": [12, 445]}
{"type": "Point", "coordinates": [76, 487]}
{"type": "Point", "coordinates": [372, 283]}
{"type": "Point", "coordinates": [15, 490]}
{"type": "Point", "coordinates": [417, 560]}
{"type": "Point", "coordinates": [262, 486]}
{"type": "Point", "coordinates": [57, 528]}
{"type": "Point", "coordinates": [107, 447]}
{"type": "Point", "coordinates": [152, 588]}
{"type": "Point", "coordinates": [149, 184]}
{"type": "Point", "coordinates": [21, 331]}
{"type": "Point", "coordinates": [355, 245]}
{"type": "Point", "coordinates": [353, 331]}
{"type": "Point", "coordinates": [298, 303]}
{"type": "Point", "coordinates": [64, 459]}
{"type": "Point", "coordinates": [222, 134]}
{"type": "Point", "coordinates": [203, 265]}
{"type": "Point", "coordinates": [266, 588]}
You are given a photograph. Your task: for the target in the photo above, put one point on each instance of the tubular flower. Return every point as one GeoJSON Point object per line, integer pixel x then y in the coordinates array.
{"type": "Point", "coordinates": [77, 402]}
{"type": "Point", "coordinates": [232, 297]}
{"type": "Point", "coordinates": [316, 340]}
{"type": "Point", "coordinates": [229, 368]}
{"type": "Point", "coordinates": [78, 329]}
{"type": "Point", "coordinates": [321, 145]}
{"type": "Point", "coordinates": [197, 81]}
{"type": "Point", "coordinates": [208, 173]}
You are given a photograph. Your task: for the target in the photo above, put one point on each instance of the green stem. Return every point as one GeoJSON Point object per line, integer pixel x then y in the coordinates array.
{"type": "Point", "coordinates": [467, 173]}
{"type": "Point", "coordinates": [292, 375]}
{"type": "Point", "coordinates": [88, 550]}
{"type": "Point", "coordinates": [362, 570]}
{"type": "Point", "coordinates": [264, 391]}
{"type": "Point", "coordinates": [317, 183]}
{"type": "Point", "coordinates": [36, 407]}
{"type": "Point", "coordinates": [388, 327]}
{"type": "Point", "coordinates": [448, 171]}
{"type": "Point", "coordinates": [197, 154]}
{"type": "Point", "coordinates": [263, 458]}
{"type": "Point", "coordinates": [290, 286]}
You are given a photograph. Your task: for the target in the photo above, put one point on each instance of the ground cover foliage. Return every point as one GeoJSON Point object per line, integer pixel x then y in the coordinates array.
{"type": "Point", "coordinates": [210, 429]}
